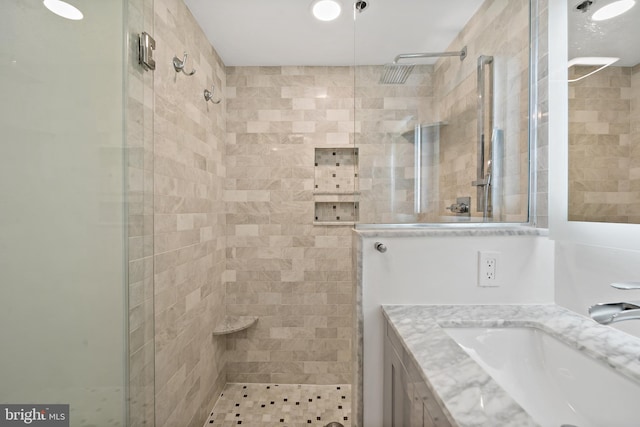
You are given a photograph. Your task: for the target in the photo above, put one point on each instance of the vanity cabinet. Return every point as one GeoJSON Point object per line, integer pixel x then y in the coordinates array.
{"type": "Point", "coordinates": [408, 400]}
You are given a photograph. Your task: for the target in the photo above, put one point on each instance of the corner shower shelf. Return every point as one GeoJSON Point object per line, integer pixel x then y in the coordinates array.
{"type": "Point", "coordinates": [231, 324]}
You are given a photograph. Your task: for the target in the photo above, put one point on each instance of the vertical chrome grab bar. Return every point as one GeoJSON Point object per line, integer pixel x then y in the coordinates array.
{"type": "Point", "coordinates": [482, 182]}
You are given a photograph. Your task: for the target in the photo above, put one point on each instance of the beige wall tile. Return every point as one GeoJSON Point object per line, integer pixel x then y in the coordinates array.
{"type": "Point", "coordinates": [270, 203]}
{"type": "Point", "coordinates": [601, 119]}
{"type": "Point", "coordinates": [189, 228]}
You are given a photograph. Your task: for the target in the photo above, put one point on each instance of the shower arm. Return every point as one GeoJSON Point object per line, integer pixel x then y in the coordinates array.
{"type": "Point", "coordinates": [462, 54]}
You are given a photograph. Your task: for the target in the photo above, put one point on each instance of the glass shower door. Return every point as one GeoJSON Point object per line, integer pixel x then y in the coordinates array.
{"type": "Point", "coordinates": [417, 114]}
{"type": "Point", "coordinates": [62, 218]}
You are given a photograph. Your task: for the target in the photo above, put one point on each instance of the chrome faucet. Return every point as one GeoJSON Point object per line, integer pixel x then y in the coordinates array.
{"type": "Point", "coordinates": [607, 313]}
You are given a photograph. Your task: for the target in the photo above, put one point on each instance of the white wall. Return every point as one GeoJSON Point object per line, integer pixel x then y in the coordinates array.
{"type": "Point", "coordinates": [443, 270]}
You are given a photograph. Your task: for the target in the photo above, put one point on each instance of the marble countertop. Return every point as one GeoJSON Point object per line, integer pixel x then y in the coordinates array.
{"type": "Point", "coordinates": [472, 397]}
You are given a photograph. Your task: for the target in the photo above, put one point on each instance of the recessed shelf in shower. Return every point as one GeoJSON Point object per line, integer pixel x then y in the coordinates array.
{"type": "Point", "coordinates": [336, 170]}
{"type": "Point", "coordinates": [336, 213]}
{"type": "Point", "coordinates": [336, 185]}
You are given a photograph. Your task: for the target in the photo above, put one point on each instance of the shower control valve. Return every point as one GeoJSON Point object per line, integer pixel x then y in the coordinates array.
{"type": "Point", "coordinates": [458, 208]}
{"type": "Point", "coordinates": [462, 206]}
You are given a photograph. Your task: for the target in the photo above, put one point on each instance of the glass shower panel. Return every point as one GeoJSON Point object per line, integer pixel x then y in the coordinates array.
{"type": "Point", "coordinates": [426, 140]}
{"type": "Point", "coordinates": [392, 164]}
{"type": "Point", "coordinates": [62, 221]}
{"type": "Point", "coordinates": [417, 118]}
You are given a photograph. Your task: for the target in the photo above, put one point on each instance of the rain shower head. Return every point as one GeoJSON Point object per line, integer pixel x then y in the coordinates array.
{"type": "Point", "coordinates": [395, 73]}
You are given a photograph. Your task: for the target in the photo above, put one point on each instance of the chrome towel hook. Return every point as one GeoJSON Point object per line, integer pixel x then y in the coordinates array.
{"type": "Point", "coordinates": [208, 95]}
{"type": "Point", "coordinates": [179, 64]}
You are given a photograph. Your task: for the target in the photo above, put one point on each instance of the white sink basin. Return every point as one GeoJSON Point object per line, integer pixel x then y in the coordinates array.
{"type": "Point", "coordinates": [555, 383]}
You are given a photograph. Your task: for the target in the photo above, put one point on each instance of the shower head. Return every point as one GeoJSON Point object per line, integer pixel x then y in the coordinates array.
{"type": "Point", "coordinates": [395, 73]}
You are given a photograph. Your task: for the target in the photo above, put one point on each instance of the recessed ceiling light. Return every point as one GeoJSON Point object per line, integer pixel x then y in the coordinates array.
{"type": "Point", "coordinates": [63, 9]}
{"type": "Point", "coordinates": [612, 10]}
{"type": "Point", "coordinates": [326, 10]}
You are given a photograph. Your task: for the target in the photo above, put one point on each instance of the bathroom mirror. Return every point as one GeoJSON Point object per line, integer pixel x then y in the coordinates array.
{"type": "Point", "coordinates": [614, 235]}
{"type": "Point", "coordinates": [604, 111]}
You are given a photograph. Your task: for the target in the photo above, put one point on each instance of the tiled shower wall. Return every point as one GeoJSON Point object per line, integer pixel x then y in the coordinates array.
{"type": "Point", "coordinates": [603, 164]}
{"type": "Point", "coordinates": [189, 229]}
{"type": "Point", "coordinates": [499, 29]}
{"type": "Point", "coordinates": [295, 276]}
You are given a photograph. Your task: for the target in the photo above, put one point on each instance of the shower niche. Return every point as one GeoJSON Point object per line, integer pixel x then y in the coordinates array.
{"type": "Point", "coordinates": [336, 212]}
{"type": "Point", "coordinates": [336, 170]}
{"type": "Point", "coordinates": [336, 185]}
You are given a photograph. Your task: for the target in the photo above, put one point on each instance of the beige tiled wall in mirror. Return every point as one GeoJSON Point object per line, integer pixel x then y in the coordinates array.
{"type": "Point", "coordinates": [604, 155]}
{"type": "Point", "coordinates": [604, 162]}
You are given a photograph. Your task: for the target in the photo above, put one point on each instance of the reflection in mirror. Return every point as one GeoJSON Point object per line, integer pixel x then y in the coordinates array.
{"type": "Point", "coordinates": [604, 112]}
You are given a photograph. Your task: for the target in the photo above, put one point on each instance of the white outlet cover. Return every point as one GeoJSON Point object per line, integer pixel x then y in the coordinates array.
{"type": "Point", "coordinates": [484, 269]}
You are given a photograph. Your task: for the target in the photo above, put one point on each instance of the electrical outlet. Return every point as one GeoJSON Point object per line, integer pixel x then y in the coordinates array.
{"type": "Point", "coordinates": [488, 272]}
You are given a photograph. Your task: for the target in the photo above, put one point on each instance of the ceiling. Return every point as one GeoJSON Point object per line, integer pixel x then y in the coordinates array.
{"type": "Point", "coordinates": [616, 37]}
{"type": "Point", "coordinates": [283, 32]}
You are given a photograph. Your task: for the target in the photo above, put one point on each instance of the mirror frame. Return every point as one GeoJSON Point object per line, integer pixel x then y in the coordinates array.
{"type": "Point", "coordinates": [622, 236]}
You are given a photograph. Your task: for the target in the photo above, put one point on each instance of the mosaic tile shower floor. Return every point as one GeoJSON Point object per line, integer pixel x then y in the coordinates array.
{"type": "Point", "coordinates": [287, 405]}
